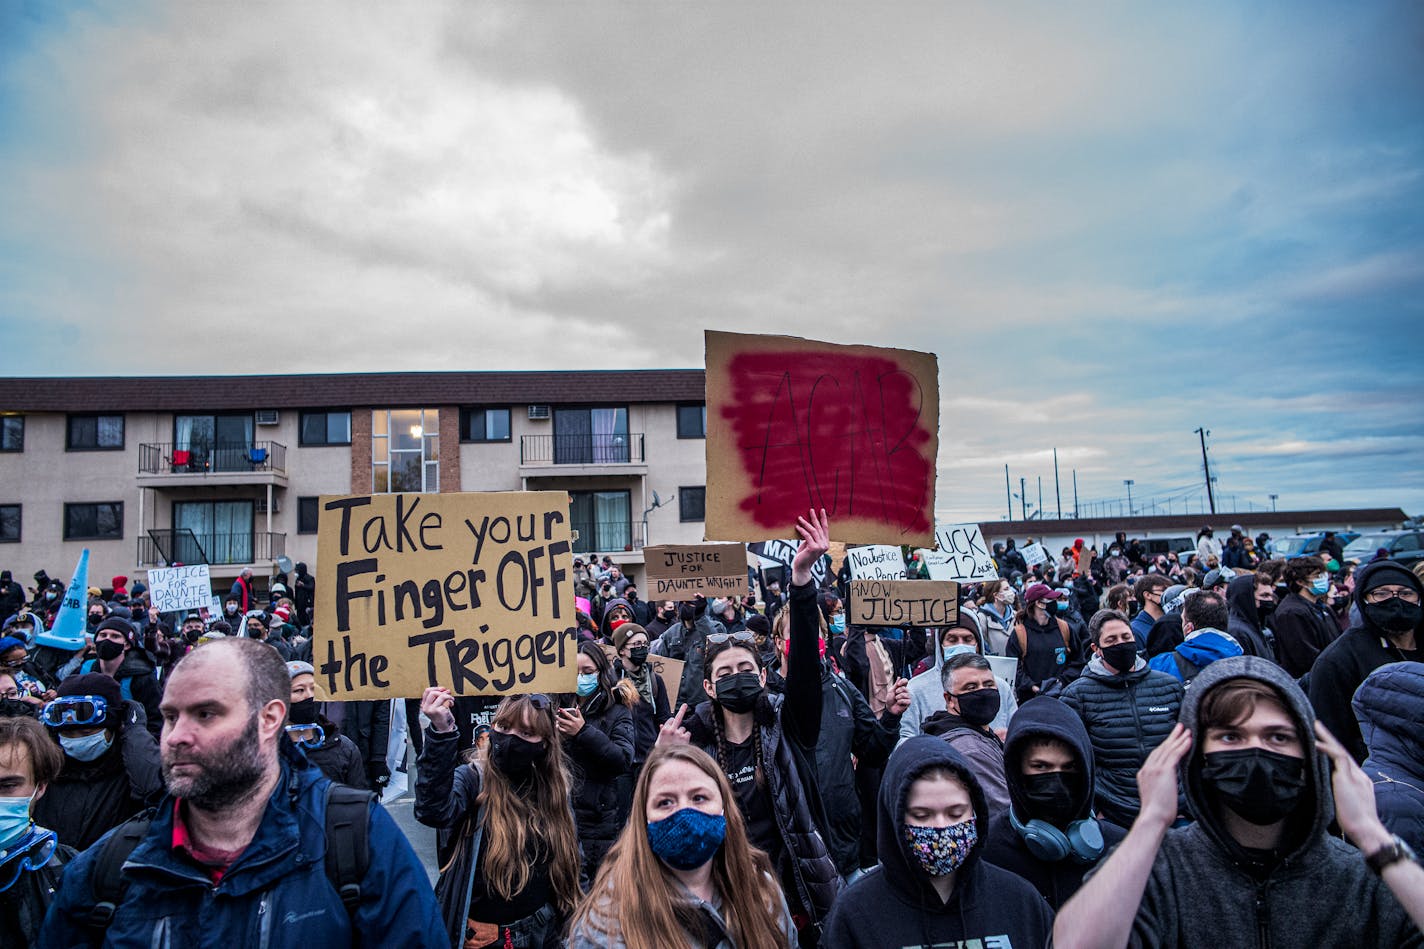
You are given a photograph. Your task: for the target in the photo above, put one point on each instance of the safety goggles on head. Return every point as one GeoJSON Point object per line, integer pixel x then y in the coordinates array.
{"type": "Point", "coordinates": [30, 852]}
{"type": "Point", "coordinates": [298, 735]}
{"type": "Point", "coordinates": [74, 710]}
{"type": "Point", "coordinates": [541, 701]}
{"type": "Point", "coordinates": [740, 636]}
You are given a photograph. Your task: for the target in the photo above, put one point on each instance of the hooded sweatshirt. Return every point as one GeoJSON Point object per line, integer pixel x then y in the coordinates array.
{"type": "Point", "coordinates": [1058, 880]}
{"type": "Point", "coordinates": [927, 697]}
{"type": "Point", "coordinates": [1245, 625]}
{"type": "Point", "coordinates": [1344, 664]}
{"type": "Point", "coordinates": [1198, 650]}
{"type": "Point", "coordinates": [1202, 891]}
{"type": "Point", "coordinates": [982, 751]}
{"type": "Point", "coordinates": [1389, 707]}
{"type": "Point", "coordinates": [895, 906]}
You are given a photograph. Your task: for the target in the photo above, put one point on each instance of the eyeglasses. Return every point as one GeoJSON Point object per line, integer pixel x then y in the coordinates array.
{"type": "Point", "coordinates": [741, 636]}
{"type": "Point", "coordinates": [1380, 594]}
{"type": "Point", "coordinates": [32, 852]}
{"type": "Point", "coordinates": [74, 710]}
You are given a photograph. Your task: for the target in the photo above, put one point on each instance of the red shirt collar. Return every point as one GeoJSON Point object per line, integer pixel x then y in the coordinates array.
{"type": "Point", "coordinates": [215, 862]}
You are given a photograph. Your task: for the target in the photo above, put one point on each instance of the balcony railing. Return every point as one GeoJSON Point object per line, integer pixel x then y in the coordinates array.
{"type": "Point", "coordinates": [219, 458]}
{"type": "Point", "coordinates": [623, 449]}
{"type": "Point", "coordinates": [606, 537]}
{"type": "Point", "coordinates": [166, 546]}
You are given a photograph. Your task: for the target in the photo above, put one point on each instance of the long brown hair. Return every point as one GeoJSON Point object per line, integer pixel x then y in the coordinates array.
{"type": "Point", "coordinates": [512, 815]}
{"type": "Point", "coordinates": [635, 897]}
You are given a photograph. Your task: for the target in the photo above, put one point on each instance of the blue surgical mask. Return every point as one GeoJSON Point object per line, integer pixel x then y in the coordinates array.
{"type": "Point", "coordinates": [1062, 606]}
{"type": "Point", "coordinates": [837, 623]}
{"type": "Point", "coordinates": [14, 818]}
{"type": "Point", "coordinates": [87, 748]}
{"type": "Point", "coordinates": [1321, 586]}
{"type": "Point", "coordinates": [688, 838]}
{"type": "Point", "coordinates": [587, 683]}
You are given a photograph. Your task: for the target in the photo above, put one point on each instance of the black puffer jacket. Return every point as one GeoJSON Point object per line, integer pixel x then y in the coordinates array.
{"type": "Point", "coordinates": [848, 727]}
{"type": "Point", "coordinates": [90, 798]}
{"type": "Point", "coordinates": [338, 757]}
{"type": "Point", "coordinates": [602, 756]}
{"type": "Point", "coordinates": [1126, 717]}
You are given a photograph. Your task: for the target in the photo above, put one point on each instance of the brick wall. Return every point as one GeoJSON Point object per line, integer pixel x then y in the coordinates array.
{"type": "Point", "coordinates": [360, 451]}
{"type": "Point", "coordinates": [449, 449]}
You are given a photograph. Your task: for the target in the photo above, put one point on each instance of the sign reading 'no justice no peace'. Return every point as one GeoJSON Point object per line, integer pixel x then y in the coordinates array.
{"type": "Point", "coordinates": [795, 424]}
{"type": "Point", "coordinates": [473, 592]}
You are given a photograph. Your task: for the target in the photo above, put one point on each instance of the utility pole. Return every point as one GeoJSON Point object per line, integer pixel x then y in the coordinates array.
{"type": "Point", "coordinates": [1273, 502]}
{"type": "Point", "coordinates": [1210, 495]}
{"type": "Point", "coordinates": [1008, 495]}
{"type": "Point", "coordinates": [1129, 482]}
{"type": "Point", "coordinates": [1056, 489]}
{"type": "Point", "coordinates": [1023, 499]}
{"type": "Point", "coordinates": [1040, 497]}
{"type": "Point", "coordinates": [1075, 492]}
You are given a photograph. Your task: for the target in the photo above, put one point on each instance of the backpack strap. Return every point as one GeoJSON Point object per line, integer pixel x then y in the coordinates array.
{"type": "Point", "coordinates": [1021, 635]}
{"type": "Point", "coordinates": [106, 882]}
{"type": "Point", "coordinates": [1067, 636]}
{"type": "Point", "coordinates": [348, 846]}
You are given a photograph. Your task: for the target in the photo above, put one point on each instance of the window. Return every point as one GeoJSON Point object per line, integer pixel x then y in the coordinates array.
{"type": "Point", "coordinates": [307, 509]}
{"type": "Point", "coordinates": [9, 523]}
{"type": "Point", "coordinates": [603, 520]}
{"type": "Point", "coordinates": [325, 428]}
{"type": "Point", "coordinates": [95, 433]}
{"type": "Point", "coordinates": [212, 442]}
{"type": "Point", "coordinates": [101, 521]}
{"type": "Point", "coordinates": [214, 532]}
{"type": "Point", "coordinates": [692, 421]}
{"type": "Point", "coordinates": [597, 436]}
{"type": "Point", "coordinates": [405, 450]}
{"type": "Point", "coordinates": [484, 425]}
{"type": "Point", "coordinates": [692, 503]}
{"type": "Point", "coordinates": [12, 433]}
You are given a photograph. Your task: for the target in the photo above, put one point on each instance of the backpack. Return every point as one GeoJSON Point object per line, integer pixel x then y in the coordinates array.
{"type": "Point", "coordinates": [1021, 635]}
{"type": "Point", "coordinates": [125, 684]}
{"type": "Point", "coordinates": [348, 854]}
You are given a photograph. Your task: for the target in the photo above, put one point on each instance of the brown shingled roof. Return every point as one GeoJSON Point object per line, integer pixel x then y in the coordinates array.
{"type": "Point", "coordinates": [341, 390]}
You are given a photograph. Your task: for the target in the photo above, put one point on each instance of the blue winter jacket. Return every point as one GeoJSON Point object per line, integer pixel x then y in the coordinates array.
{"type": "Point", "coordinates": [277, 894]}
{"type": "Point", "coordinates": [1389, 706]}
{"type": "Point", "coordinates": [1199, 650]}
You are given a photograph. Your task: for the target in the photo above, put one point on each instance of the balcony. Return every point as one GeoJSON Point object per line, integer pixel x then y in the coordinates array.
{"type": "Point", "coordinates": [582, 454]}
{"type": "Point", "coordinates": [608, 537]}
{"type": "Point", "coordinates": [161, 465]}
{"type": "Point", "coordinates": [167, 546]}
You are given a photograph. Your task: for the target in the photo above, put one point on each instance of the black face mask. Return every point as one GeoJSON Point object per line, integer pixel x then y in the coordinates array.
{"type": "Point", "coordinates": [1052, 796]}
{"type": "Point", "coordinates": [665, 616]}
{"type": "Point", "coordinates": [515, 756]}
{"type": "Point", "coordinates": [96, 618]}
{"type": "Point", "coordinates": [637, 656]}
{"type": "Point", "coordinates": [979, 708]}
{"type": "Point", "coordinates": [1394, 615]}
{"type": "Point", "coordinates": [108, 650]}
{"type": "Point", "coordinates": [192, 635]}
{"type": "Point", "coordinates": [303, 712]}
{"type": "Point", "coordinates": [739, 692]}
{"type": "Point", "coordinates": [1122, 656]}
{"type": "Point", "coordinates": [14, 708]}
{"type": "Point", "coordinates": [1261, 786]}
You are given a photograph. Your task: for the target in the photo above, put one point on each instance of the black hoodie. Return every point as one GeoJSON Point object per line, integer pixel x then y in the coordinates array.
{"type": "Point", "coordinates": [895, 906]}
{"type": "Point", "coordinates": [1035, 719]}
{"type": "Point", "coordinates": [1203, 891]}
{"type": "Point", "coordinates": [1245, 620]}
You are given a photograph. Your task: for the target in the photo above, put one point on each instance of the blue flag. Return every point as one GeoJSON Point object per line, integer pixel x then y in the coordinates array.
{"type": "Point", "coordinates": [67, 633]}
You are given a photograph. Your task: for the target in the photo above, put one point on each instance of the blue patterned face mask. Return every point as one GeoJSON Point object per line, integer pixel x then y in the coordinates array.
{"type": "Point", "coordinates": [942, 850]}
{"type": "Point", "coordinates": [688, 838]}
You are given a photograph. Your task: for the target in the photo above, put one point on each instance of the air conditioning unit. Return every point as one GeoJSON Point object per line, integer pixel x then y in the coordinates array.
{"type": "Point", "coordinates": [261, 507]}
{"type": "Point", "coordinates": [267, 416]}
{"type": "Point", "coordinates": [539, 411]}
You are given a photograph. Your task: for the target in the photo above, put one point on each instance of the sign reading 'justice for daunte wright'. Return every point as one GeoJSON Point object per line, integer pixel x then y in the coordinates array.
{"type": "Point", "coordinates": [472, 592]}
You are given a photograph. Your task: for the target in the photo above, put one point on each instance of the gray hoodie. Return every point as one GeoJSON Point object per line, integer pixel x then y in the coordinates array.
{"type": "Point", "coordinates": [1201, 891]}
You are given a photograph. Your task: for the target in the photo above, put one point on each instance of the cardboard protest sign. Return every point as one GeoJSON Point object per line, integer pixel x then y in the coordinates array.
{"type": "Point", "coordinates": [473, 592]}
{"type": "Point", "coordinates": [678, 571]}
{"type": "Point", "coordinates": [670, 671]}
{"type": "Point", "coordinates": [1085, 561]}
{"type": "Point", "coordinates": [784, 553]}
{"type": "Point", "coordinates": [1034, 554]}
{"type": "Point", "coordinates": [876, 562]}
{"type": "Point", "coordinates": [962, 555]}
{"type": "Point", "coordinates": [903, 602]}
{"type": "Point", "coordinates": [1005, 667]}
{"type": "Point", "coordinates": [171, 589]}
{"type": "Point", "coordinates": [795, 424]}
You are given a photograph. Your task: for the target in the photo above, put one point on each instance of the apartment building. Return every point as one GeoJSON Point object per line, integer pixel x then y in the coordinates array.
{"type": "Point", "coordinates": [227, 470]}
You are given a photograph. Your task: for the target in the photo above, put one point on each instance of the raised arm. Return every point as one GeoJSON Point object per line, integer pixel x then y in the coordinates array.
{"type": "Point", "coordinates": [801, 715]}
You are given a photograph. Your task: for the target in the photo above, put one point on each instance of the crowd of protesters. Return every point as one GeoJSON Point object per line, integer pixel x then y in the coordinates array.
{"type": "Point", "coordinates": [1106, 748]}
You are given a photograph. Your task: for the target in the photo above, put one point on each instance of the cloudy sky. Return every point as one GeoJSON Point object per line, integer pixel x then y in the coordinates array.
{"type": "Point", "coordinates": [1113, 223]}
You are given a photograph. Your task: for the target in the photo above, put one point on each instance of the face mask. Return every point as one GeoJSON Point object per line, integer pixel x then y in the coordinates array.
{"type": "Point", "coordinates": [1394, 615]}
{"type": "Point", "coordinates": [1121, 657]}
{"type": "Point", "coordinates": [1061, 606]}
{"type": "Point", "coordinates": [96, 618]}
{"type": "Point", "coordinates": [1114, 552]}
{"type": "Point", "coordinates": [979, 708]}
{"type": "Point", "coordinates": [739, 693]}
{"type": "Point", "coordinates": [837, 624]}
{"type": "Point", "coordinates": [942, 850]}
{"type": "Point", "coordinates": [665, 616]}
{"type": "Point", "coordinates": [49, 595]}
{"type": "Point", "coordinates": [231, 609]}
{"type": "Point", "coordinates": [513, 755]}
{"type": "Point", "coordinates": [1320, 587]}
{"type": "Point", "coordinates": [192, 634]}
{"type": "Point", "coordinates": [637, 656]}
{"type": "Point", "coordinates": [14, 818]}
{"type": "Point", "coordinates": [1052, 796]}
{"type": "Point", "coordinates": [587, 683]}
{"type": "Point", "coordinates": [15, 708]}
{"type": "Point", "coordinates": [303, 712]}
{"type": "Point", "coordinates": [1261, 786]}
{"type": "Point", "coordinates": [108, 650]}
{"type": "Point", "coordinates": [687, 839]}
{"type": "Point", "coordinates": [87, 748]}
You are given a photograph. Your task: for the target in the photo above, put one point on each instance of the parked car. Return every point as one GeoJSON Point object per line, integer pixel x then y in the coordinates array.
{"type": "Point", "coordinates": [1303, 545]}
{"type": "Point", "coordinates": [1406, 547]}
{"type": "Point", "coordinates": [1180, 547]}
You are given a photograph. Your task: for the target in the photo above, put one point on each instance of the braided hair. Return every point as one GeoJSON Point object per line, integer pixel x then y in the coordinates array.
{"type": "Point", "coordinates": [717, 730]}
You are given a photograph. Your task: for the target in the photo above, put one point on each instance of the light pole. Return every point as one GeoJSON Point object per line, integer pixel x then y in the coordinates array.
{"type": "Point", "coordinates": [1129, 482]}
{"type": "Point", "coordinates": [1273, 502]}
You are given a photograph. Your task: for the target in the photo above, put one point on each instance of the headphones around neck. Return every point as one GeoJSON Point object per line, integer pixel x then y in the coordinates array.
{"type": "Point", "coordinates": [1083, 840]}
